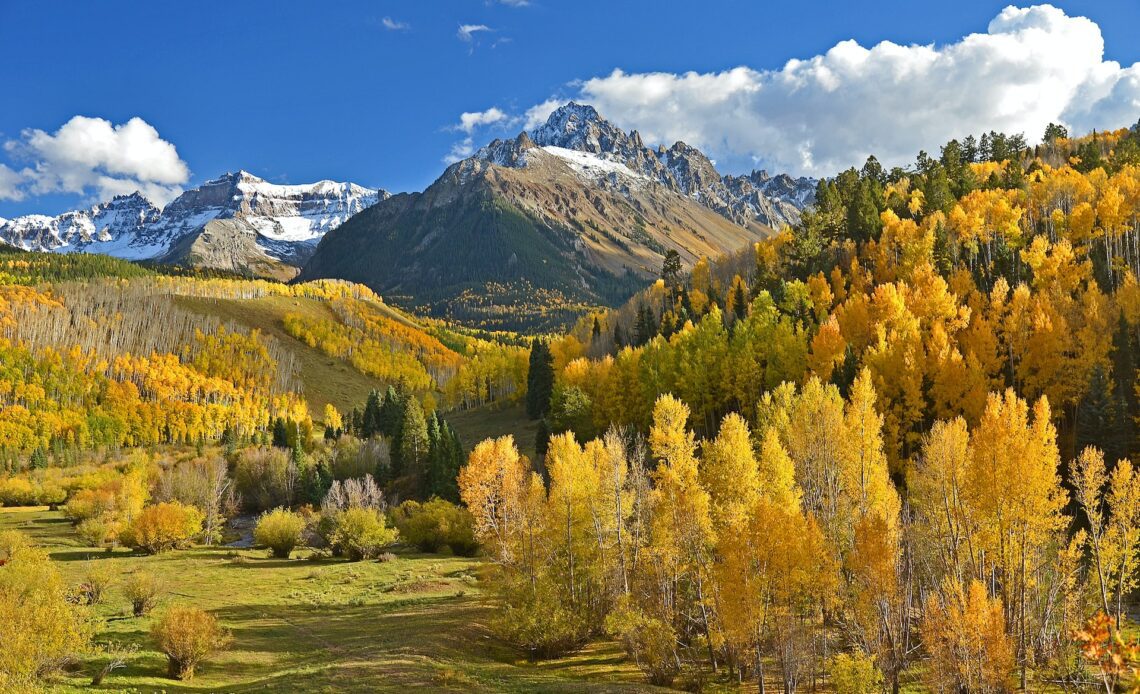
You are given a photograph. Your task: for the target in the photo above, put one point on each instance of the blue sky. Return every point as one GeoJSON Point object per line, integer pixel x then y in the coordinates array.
{"type": "Point", "coordinates": [372, 92]}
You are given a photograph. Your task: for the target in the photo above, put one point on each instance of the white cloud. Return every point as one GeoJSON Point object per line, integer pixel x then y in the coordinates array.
{"type": "Point", "coordinates": [471, 120]}
{"type": "Point", "coordinates": [820, 115]}
{"type": "Point", "coordinates": [94, 156]}
{"type": "Point", "coordinates": [515, 3]}
{"type": "Point", "coordinates": [393, 25]}
{"type": "Point", "coordinates": [467, 31]}
{"type": "Point", "coordinates": [10, 184]}
{"type": "Point", "coordinates": [536, 115]}
{"type": "Point", "coordinates": [460, 151]}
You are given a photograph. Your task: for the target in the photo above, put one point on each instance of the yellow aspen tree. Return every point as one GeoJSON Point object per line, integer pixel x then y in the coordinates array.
{"type": "Point", "coordinates": [777, 473]}
{"type": "Point", "coordinates": [729, 473]}
{"type": "Point", "coordinates": [867, 482]}
{"type": "Point", "coordinates": [681, 534]}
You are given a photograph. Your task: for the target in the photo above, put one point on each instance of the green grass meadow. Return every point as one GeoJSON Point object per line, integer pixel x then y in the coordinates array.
{"type": "Point", "coordinates": [310, 624]}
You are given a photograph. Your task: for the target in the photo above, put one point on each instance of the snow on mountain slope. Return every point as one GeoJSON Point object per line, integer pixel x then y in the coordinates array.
{"type": "Point", "coordinates": [286, 221]}
{"type": "Point", "coordinates": [600, 151]}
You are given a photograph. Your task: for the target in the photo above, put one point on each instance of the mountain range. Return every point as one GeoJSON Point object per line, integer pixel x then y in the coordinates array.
{"type": "Point", "coordinates": [529, 230]}
{"type": "Point", "coordinates": [238, 222]}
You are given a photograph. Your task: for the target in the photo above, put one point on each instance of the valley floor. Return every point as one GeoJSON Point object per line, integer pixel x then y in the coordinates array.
{"type": "Point", "coordinates": [300, 625]}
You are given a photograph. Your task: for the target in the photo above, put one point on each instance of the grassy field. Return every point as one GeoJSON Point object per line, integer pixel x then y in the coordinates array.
{"type": "Point", "coordinates": [321, 625]}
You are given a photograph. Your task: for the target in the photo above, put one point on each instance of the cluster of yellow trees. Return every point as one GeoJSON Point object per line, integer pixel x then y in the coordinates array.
{"type": "Point", "coordinates": [782, 541]}
{"type": "Point", "coordinates": [60, 395]}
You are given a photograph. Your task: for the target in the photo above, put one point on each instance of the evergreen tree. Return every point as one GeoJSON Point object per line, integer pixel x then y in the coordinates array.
{"type": "Point", "coordinates": [542, 438]}
{"type": "Point", "coordinates": [316, 480]}
{"type": "Point", "coordinates": [280, 433]}
{"type": "Point", "coordinates": [371, 420]}
{"type": "Point", "coordinates": [356, 422]}
{"type": "Point", "coordinates": [414, 442]}
{"type": "Point", "coordinates": [671, 269]}
{"type": "Point", "coordinates": [596, 331]}
{"type": "Point", "coordinates": [619, 338]}
{"type": "Point", "coordinates": [1123, 378]}
{"type": "Point", "coordinates": [539, 379]}
{"type": "Point", "coordinates": [391, 412]}
{"type": "Point", "coordinates": [38, 459]}
{"type": "Point", "coordinates": [740, 302]}
{"type": "Point", "coordinates": [444, 460]}
{"type": "Point", "coordinates": [1099, 420]}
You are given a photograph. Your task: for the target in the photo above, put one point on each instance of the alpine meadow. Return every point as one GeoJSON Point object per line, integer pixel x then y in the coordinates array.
{"type": "Point", "coordinates": [753, 349]}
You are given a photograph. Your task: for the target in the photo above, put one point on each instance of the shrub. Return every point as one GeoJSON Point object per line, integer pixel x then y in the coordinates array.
{"type": "Point", "coordinates": [163, 527]}
{"type": "Point", "coordinates": [279, 530]}
{"type": "Point", "coordinates": [17, 491]}
{"type": "Point", "coordinates": [143, 589]}
{"type": "Point", "coordinates": [436, 524]}
{"type": "Point", "coordinates": [93, 531]}
{"type": "Point", "coordinates": [40, 630]}
{"type": "Point", "coordinates": [89, 503]}
{"type": "Point", "coordinates": [188, 635]}
{"type": "Point", "coordinates": [650, 641]}
{"type": "Point", "coordinates": [855, 673]}
{"type": "Point", "coordinates": [361, 533]}
{"type": "Point", "coordinates": [97, 579]}
{"type": "Point", "coordinates": [539, 621]}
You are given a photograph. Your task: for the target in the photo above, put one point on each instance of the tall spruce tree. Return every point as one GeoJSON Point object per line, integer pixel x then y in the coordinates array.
{"type": "Point", "coordinates": [414, 443]}
{"type": "Point", "coordinates": [539, 379]}
{"type": "Point", "coordinates": [370, 421]}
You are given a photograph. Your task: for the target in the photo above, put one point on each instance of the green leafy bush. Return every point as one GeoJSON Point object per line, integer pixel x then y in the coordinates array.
{"type": "Point", "coordinates": [280, 530]}
{"type": "Point", "coordinates": [436, 524]}
{"type": "Point", "coordinates": [361, 533]}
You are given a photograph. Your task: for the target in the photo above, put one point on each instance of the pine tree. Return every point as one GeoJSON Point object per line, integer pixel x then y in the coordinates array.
{"type": "Point", "coordinates": [539, 379]}
{"type": "Point", "coordinates": [38, 459]}
{"type": "Point", "coordinates": [280, 433]}
{"type": "Point", "coordinates": [414, 443]}
{"type": "Point", "coordinates": [391, 412]}
{"type": "Point", "coordinates": [371, 420]}
{"type": "Point", "coordinates": [542, 438]}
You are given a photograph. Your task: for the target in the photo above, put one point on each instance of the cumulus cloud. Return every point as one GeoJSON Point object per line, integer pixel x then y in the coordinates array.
{"type": "Point", "coordinates": [460, 151]}
{"type": "Point", "coordinates": [470, 120]}
{"type": "Point", "coordinates": [10, 184]}
{"type": "Point", "coordinates": [393, 25]}
{"type": "Point", "coordinates": [467, 32]}
{"type": "Point", "coordinates": [817, 116]}
{"type": "Point", "coordinates": [94, 156]}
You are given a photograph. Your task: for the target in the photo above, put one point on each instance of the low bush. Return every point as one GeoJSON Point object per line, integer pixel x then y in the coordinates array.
{"type": "Point", "coordinates": [280, 530]}
{"type": "Point", "coordinates": [187, 636]}
{"type": "Point", "coordinates": [97, 579]}
{"type": "Point", "coordinates": [163, 527]}
{"type": "Point", "coordinates": [40, 629]}
{"type": "Point", "coordinates": [143, 590]}
{"type": "Point", "coordinates": [361, 533]}
{"type": "Point", "coordinates": [436, 524]}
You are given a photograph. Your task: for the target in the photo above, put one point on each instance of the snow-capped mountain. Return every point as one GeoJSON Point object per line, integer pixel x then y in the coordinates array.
{"type": "Point", "coordinates": [283, 223]}
{"type": "Point", "coordinates": [601, 151]}
{"type": "Point", "coordinates": [573, 213]}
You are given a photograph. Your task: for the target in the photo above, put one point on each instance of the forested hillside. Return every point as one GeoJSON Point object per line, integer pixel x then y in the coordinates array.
{"type": "Point", "coordinates": [892, 444]}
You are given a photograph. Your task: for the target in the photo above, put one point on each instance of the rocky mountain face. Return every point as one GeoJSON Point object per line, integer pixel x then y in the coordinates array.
{"type": "Point", "coordinates": [531, 230]}
{"type": "Point", "coordinates": [681, 168]}
{"type": "Point", "coordinates": [237, 222]}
